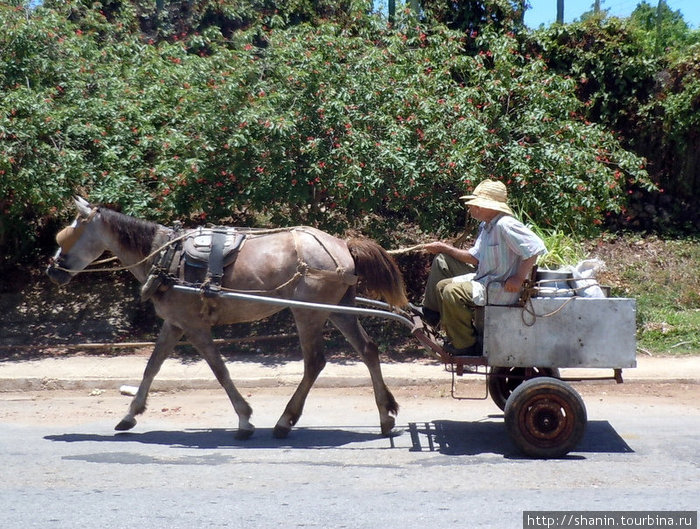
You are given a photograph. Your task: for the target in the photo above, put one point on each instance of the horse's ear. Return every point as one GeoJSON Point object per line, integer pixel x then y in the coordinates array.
{"type": "Point", "coordinates": [84, 207]}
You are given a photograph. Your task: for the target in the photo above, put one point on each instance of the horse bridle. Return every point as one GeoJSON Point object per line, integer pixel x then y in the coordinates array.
{"type": "Point", "coordinates": [68, 236]}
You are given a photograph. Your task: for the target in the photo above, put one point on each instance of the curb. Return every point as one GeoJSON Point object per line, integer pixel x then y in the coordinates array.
{"type": "Point", "coordinates": [89, 373]}
{"type": "Point", "coordinates": [17, 385]}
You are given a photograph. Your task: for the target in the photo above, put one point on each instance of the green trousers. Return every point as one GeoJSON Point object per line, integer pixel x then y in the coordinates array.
{"type": "Point", "coordinates": [443, 267]}
{"type": "Point", "coordinates": [452, 300]}
{"type": "Point", "coordinates": [457, 312]}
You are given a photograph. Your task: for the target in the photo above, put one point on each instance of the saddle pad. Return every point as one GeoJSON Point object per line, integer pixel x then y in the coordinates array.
{"type": "Point", "coordinates": [197, 245]}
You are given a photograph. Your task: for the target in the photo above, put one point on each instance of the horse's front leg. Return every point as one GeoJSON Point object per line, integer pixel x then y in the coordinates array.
{"type": "Point", "coordinates": [363, 344]}
{"type": "Point", "coordinates": [202, 340]}
{"type": "Point", "coordinates": [168, 337]}
{"type": "Point", "coordinates": [309, 326]}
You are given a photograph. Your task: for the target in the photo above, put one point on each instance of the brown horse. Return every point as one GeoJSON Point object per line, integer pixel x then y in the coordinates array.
{"type": "Point", "coordinates": [298, 263]}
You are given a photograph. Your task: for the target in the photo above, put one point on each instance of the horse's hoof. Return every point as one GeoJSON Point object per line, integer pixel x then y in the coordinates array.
{"type": "Point", "coordinates": [242, 435]}
{"type": "Point", "coordinates": [388, 427]}
{"type": "Point", "coordinates": [281, 432]}
{"type": "Point", "coordinates": [395, 432]}
{"type": "Point", "coordinates": [125, 425]}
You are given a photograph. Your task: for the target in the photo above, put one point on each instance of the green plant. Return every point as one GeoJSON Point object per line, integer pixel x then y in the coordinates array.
{"type": "Point", "coordinates": [650, 98]}
{"type": "Point", "coordinates": [335, 123]}
{"type": "Point", "coordinates": [562, 249]}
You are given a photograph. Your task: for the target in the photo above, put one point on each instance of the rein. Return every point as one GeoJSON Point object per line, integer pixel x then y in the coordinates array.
{"type": "Point", "coordinates": [398, 251]}
{"type": "Point", "coordinates": [69, 236]}
{"type": "Point", "coordinates": [124, 267]}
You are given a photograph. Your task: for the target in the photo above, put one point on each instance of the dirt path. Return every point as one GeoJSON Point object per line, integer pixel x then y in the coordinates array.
{"type": "Point", "coordinates": [55, 407]}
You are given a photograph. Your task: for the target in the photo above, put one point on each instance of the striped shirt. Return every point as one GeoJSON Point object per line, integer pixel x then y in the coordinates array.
{"type": "Point", "coordinates": [501, 246]}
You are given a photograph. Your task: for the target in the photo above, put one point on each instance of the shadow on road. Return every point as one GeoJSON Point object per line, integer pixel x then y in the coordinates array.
{"type": "Point", "coordinates": [300, 438]}
{"type": "Point", "coordinates": [452, 438]}
{"type": "Point", "coordinates": [472, 438]}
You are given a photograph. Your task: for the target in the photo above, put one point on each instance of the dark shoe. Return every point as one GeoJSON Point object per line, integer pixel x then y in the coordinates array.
{"type": "Point", "coordinates": [472, 350]}
{"type": "Point", "coordinates": [430, 316]}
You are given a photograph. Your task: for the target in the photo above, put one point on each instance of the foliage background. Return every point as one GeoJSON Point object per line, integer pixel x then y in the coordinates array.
{"type": "Point", "coordinates": [272, 113]}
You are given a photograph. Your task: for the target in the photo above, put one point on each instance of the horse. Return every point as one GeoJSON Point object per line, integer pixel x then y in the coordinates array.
{"type": "Point", "coordinates": [297, 263]}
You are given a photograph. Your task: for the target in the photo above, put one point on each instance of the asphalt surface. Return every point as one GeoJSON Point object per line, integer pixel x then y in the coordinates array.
{"type": "Point", "coordinates": [106, 372]}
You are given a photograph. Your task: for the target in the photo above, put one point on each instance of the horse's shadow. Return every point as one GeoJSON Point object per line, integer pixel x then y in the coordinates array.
{"type": "Point", "coordinates": [458, 438]}
{"type": "Point", "coordinates": [300, 438]}
{"type": "Point", "coordinates": [452, 438]}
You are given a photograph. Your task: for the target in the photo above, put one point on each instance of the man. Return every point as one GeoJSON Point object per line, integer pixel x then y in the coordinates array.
{"type": "Point", "coordinates": [492, 271]}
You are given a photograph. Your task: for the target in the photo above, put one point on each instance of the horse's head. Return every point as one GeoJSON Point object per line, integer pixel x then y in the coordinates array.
{"type": "Point", "coordinates": [79, 245]}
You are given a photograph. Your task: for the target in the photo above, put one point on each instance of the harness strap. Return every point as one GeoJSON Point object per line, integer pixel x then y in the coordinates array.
{"type": "Point", "coordinates": [216, 259]}
{"type": "Point", "coordinates": [168, 263]}
{"type": "Point", "coordinates": [339, 274]}
{"type": "Point", "coordinates": [162, 264]}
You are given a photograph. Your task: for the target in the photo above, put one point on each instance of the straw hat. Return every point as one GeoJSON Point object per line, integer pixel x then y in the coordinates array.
{"type": "Point", "coordinates": [489, 194]}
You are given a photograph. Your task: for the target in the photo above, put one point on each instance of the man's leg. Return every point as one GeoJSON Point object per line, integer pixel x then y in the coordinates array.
{"type": "Point", "coordinates": [443, 267]}
{"type": "Point", "coordinates": [457, 311]}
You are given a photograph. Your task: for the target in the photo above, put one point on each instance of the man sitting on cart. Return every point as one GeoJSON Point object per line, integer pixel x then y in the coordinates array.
{"type": "Point", "coordinates": [492, 271]}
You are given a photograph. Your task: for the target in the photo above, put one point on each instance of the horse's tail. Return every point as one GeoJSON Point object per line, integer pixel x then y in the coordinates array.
{"type": "Point", "coordinates": [378, 271]}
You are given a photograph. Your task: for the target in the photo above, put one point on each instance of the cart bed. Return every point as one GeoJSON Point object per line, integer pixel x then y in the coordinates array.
{"type": "Point", "coordinates": [562, 332]}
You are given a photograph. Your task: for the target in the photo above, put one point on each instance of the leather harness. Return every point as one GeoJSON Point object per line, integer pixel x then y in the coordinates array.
{"type": "Point", "coordinates": [199, 257]}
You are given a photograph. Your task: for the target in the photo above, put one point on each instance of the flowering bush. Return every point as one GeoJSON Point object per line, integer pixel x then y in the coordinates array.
{"type": "Point", "coordinates": [328, 124]}
{"type": "Point", "coordinates": [650, 99]}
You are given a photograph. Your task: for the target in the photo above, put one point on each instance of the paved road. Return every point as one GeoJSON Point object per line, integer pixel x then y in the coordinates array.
{"type": "Point", "coordinates": [453, 466]}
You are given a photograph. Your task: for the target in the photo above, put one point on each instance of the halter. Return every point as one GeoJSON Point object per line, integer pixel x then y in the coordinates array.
{"type": "Point", "coordinates": [68, 236]}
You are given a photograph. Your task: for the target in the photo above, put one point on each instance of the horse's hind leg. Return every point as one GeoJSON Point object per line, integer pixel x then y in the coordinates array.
{"type": "Point", "coordinates": [309, 326]}
{"type": "Point", "coordinates": [201, 339]}
{"type": "Point", "coordinates": [168, 337]}
{"type": "Point", "coordinates": [363, 344]}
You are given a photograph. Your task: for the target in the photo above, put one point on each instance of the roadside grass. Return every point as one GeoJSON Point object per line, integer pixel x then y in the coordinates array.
{"type": "Point", "coordinates": [562, 249]}
{"type": "Point", "coordinates": [670, 332]}
{"type": "Point", "coordinates": [664, 277]}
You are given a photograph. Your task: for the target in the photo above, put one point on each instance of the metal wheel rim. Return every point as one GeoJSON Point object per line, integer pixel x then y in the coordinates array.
{"type": "Point", "coordinates": [546, 419]}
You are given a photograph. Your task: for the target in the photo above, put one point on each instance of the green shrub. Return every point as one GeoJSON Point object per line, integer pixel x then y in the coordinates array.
{"type": "Point", "coordinates": [630, 82]}
{"type": "Point", "coordinates": [336, 124]}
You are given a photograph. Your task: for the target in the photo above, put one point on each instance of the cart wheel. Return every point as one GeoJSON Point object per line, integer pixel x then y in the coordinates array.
{"type": "Point", "coordinates": [502, 381]}
{"type": "Point", "coordinates": [545, 417]}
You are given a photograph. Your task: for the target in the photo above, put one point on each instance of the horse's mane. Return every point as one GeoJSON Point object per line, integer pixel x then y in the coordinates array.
{"type": "Point", "coordinates": [132, 232]}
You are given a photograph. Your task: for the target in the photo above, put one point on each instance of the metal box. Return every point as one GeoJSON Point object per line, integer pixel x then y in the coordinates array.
{"type": "Point", "coordinates": [561, 333]}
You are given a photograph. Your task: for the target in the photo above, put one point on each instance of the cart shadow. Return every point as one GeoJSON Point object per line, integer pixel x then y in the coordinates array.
{"type": "Point", "coordinates": [473, 438]}
{"type": "Point", "coordinates": [300, 438]}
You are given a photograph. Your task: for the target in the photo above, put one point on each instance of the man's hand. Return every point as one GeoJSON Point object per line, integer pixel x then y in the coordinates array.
{"type": "Point", "coordinates": [513, 284]}
{"type": "Point", "coordinates": [435, 247]}
{"type": "Point", "coordinates": [457, 253]}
